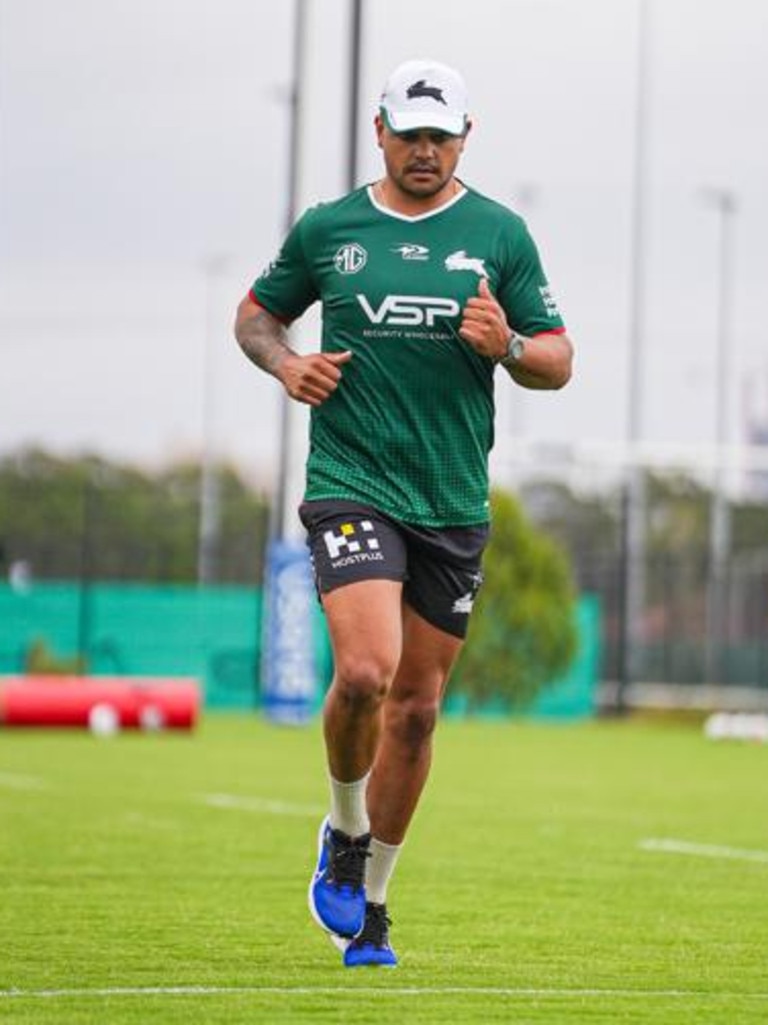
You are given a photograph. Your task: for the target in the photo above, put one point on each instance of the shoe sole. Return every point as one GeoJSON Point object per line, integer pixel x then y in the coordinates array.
{"type": "Point", "coordinates": [315, 875]}
{"type": "Point", "coordinates": [371, 964]}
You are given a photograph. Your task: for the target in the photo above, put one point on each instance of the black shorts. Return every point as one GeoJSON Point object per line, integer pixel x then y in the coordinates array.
{"type": "Point", "coordinates": [439, 567]}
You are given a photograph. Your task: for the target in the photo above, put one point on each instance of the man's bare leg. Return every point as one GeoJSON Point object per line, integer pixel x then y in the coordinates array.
{"type": "Point", "coordinates": [391, 670]}
{"type": "Point", "coordinates": [409, 715]}
{"type": "Point", "coordinates": [365, 625]}
{"type": "Point", "coordinates": [400, 770]}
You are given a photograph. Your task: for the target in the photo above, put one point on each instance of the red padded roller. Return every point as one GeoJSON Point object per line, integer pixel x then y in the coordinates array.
{"type": "Point", "coordinates": [146, 702]}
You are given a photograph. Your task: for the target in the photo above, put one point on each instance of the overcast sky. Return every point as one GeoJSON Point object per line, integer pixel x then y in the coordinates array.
{"type": "Point", "coordinates": [142, 141]}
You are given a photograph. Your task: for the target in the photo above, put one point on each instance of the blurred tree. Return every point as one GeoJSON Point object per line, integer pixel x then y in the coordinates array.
{"type": "Point", "coordinates": [522, 634]}
{"type": "Point", "coordinates": [582, 522]}
{"type": "Point", "coordinates": [39, 660]}
{"type": "Point", "coordinates": [676, 569]}
{"type": "Point", "coordinates": [749, 527]}
{"type": "Point", "coordinates": [679, 509]}
{"type": "Point", "coordinates": [586, 524]}
{"type": "Point", "coordinates": [89, 517]}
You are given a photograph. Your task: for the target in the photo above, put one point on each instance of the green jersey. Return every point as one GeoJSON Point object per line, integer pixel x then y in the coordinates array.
{"type": "Point", "coordinates": [410, 426]}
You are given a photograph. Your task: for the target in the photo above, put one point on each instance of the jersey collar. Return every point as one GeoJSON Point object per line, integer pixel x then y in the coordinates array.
{"type": "Point", "coordinates": [413, 218]}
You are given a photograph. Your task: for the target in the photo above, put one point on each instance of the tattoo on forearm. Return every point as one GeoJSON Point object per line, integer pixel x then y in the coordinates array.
{"type": "Point", "coordinates": [263, 339]}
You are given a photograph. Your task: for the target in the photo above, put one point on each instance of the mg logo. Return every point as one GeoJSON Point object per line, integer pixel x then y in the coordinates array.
{"type": "Point", "coordinates": [409, 310]}
{"type": "Point", "coordinates": [350, 258]}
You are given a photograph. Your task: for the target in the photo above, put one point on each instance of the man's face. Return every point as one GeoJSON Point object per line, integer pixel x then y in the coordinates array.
{"type": "Point", "coordinates": [421, 162]}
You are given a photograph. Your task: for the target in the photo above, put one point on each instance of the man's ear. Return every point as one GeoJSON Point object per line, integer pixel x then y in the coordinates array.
{"type": "Point", "coordinates": [378, 122]}
{"type": "Point", "coordinates": [467, 130]}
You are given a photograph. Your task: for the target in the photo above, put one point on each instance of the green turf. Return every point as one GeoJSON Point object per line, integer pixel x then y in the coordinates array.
{"type": "Point", "coordinates": [523, 894]}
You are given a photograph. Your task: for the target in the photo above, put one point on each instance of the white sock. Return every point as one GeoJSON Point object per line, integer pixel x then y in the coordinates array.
{"type": "Point", "coordinates": [348, 809]}
{"type": "Point", "coordinates": [379, 868]}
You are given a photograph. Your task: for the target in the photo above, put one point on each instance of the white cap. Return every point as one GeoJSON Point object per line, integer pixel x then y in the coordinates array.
{"type": "Point", "coordinates": [425, 94]}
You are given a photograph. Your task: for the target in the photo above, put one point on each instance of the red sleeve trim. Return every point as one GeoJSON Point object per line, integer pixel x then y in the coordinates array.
{"type": "Point", "coordinates": [285, 321]}
{"type": "Point", "coordinates": [552, 331]}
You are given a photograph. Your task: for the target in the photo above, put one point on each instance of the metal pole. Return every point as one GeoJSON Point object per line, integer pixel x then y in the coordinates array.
{"type": "Point", "coordinates": [288, 673]}
{"type": "Point", "coordinates": [278, 519]}
{"type": "Point", "coordinates": [632, 554]}
{"type": "Point", "coordinates": [355, 46]}
{"type": "Point", "coordinates": [87, 548]}
{"type": "Point", "coordinates": [724, 204]}
{"type": "Point", "coordinates": [209, 527]}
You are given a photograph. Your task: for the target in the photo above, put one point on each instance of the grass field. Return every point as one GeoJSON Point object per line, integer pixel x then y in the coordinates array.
{"type": "Point", "coordinates": [163, 878]}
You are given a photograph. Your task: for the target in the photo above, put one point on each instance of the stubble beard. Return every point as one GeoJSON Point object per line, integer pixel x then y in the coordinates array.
{"type": "Point", "coordinates": [421, 190]}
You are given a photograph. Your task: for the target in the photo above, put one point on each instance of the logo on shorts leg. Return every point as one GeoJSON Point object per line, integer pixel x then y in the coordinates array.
{"type": "Point", "coordinates": [463, 605]}
{"type": "Point", "coordinates": [353, 543]}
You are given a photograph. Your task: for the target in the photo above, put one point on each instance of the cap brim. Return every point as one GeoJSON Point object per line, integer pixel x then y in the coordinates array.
{"type": "Point", "coordinates": [451, 124]}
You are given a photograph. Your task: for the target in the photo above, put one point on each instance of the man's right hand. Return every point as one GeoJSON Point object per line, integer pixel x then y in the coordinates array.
{"type": "Point", "coordinates": [263, 339]}
{"type": "Point", "coordinates": [313, 378]}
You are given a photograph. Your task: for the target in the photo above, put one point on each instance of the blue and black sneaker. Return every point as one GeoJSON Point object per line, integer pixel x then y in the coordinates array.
{"type": "Point", "coordinates": [371, 946]}
{"type": "Point", "coordinates": [337, 890]}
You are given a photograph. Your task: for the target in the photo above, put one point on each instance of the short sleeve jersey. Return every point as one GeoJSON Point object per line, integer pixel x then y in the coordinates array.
{"type": "Point", "coordinates": [410, 426]}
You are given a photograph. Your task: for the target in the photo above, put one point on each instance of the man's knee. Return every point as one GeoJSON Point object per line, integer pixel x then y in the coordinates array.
{"type": "Point", "coordinates": [361, 683]}
{"type": "Point", "coordinates": [413, 721]}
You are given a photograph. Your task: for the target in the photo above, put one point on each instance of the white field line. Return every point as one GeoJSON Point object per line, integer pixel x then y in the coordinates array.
{"type": "Point", "coordinates": [262, 805]}
{"type": "Point", "coordinates": [511, 992]}
{"type": "Point", "coordinates": [703, 850]}
{"type": "Point", "coordinates": [16, 781]}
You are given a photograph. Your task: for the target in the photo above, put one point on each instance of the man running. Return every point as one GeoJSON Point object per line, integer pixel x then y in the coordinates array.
{"type": "Point", "coordinates": [427, 288]}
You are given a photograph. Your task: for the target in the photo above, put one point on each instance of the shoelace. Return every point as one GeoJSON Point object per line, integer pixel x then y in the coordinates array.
{"type": "Point", "coordinates": [347, 859]}
{"type": "Point", "coordinates": [376, 928]}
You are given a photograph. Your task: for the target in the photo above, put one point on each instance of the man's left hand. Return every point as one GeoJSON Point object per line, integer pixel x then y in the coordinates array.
{"type": "Point", "coordinates": [484, 323]}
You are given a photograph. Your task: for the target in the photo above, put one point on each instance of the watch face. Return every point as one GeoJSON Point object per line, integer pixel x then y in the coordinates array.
{"type": "Point", "coordinates": [516, 349]}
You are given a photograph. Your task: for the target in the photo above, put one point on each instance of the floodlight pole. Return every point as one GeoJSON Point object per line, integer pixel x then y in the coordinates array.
{"type": "Point", "coordinates": [724, 204]}
{"type": "Point", "coordinates": [278, 527]}
{"type": "Point", "coordinates": [289, 675]}
{"type": "Point", "coordinates": [209, 525]}
{"type": "Point", "coordinates": [632, 581]}
{"type": "Point", "coordinates": [355, 53]}
{"type": "Point", "coordinates": [278, 524]}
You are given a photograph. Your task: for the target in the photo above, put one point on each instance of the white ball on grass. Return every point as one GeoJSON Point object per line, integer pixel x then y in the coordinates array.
{"type": "Point", "coordinates": [103, 720]}
{"type": "Point", "coordinates": [151, 718]}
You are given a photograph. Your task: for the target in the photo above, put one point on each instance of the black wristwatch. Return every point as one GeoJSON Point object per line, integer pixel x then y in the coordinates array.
{"type": "Point", "coordinates": [515, 350]}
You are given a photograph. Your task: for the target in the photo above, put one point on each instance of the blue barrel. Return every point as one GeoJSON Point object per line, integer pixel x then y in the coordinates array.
{"type": "Point", "coordinates": [289, 670]}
